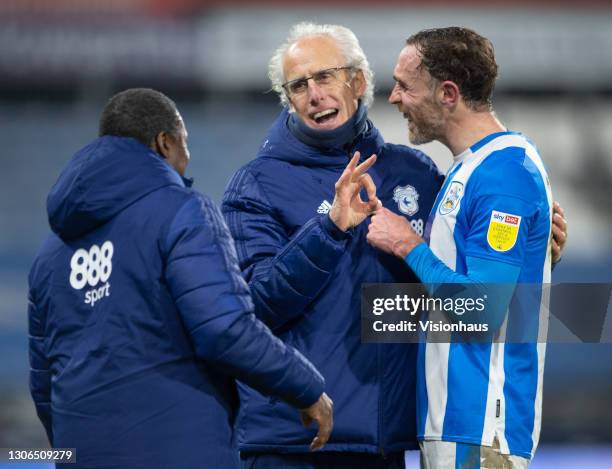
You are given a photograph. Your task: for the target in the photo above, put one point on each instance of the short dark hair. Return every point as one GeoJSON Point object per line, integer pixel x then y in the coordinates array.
{"type": "Point", "coordinates": [140, 113]}
{"type": "Point", "coordinates": [462, 56]}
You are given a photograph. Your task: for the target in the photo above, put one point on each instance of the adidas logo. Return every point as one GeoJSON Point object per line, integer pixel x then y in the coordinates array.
{"type": "Point", "coordinates": [324, 207]}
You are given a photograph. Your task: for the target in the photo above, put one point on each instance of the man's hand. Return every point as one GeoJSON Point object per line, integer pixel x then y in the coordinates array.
{"type": "Point", "coordinates": [348, 210]}
{"type": "Point", "coordinates": [559, 231]}
{"type": "Point", "coordinates": [392, 234]}
{"type": "Point", "coordinates": [321, 412]}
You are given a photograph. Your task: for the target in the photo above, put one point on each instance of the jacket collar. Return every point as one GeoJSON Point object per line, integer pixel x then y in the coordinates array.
{"type": "Point", "coordinates": [280, 143]}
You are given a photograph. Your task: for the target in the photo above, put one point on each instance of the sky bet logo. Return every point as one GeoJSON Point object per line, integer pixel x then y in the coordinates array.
{"type": "Point", "coordinates": [505, 218]}
{"type": "Point", "coordinates": [90, 267]}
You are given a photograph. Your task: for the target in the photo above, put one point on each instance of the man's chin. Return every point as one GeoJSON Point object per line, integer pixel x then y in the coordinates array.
{"type": "Point", "coordinates": [417, 139]}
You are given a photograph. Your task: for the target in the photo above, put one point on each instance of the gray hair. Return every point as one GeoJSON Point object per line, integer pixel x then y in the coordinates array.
{"type": "Point", "coordinates": [347, 43]}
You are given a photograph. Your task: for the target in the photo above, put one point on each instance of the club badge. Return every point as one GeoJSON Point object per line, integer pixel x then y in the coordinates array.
{"type": "Point", "coordinates": [451, 198]}
{"type": "Point", "coordinates": [406, 198]}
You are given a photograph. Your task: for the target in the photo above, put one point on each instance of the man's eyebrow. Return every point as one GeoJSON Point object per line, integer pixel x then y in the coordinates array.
{"type": "Point", "coordinates": [401, 82]}
{"type": "Point", "coordinates": [293, 80]}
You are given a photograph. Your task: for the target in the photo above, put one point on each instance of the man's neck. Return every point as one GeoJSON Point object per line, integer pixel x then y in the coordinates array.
{"type": "Point", "coordinates": [472, 127]}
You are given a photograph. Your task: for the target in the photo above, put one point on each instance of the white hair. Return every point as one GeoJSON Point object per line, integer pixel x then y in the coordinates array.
{"type": "Point", "coordinates": [347, 43]}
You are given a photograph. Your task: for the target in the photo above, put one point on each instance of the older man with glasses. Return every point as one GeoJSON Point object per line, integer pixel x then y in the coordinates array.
{"type": "Point", "coordinates": [302, 248]}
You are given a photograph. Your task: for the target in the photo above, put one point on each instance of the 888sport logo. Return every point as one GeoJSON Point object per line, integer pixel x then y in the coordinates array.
{"type": "Point", "coordinates": [90, 268]}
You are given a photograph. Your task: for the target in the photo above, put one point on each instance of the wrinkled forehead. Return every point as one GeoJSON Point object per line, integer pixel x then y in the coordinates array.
{"type": "Point", "coordinates": [408, 63]}
{"type": "Point", "coordinates": [410, 71]}
{"type": "Point", "coordinates": [311, 54]}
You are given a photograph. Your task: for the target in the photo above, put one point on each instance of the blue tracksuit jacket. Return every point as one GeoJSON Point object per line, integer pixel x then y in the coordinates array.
{"type": "Point", "coordinates": [138, 314]}
{"type": "Point", "coordinates": [305, 277]}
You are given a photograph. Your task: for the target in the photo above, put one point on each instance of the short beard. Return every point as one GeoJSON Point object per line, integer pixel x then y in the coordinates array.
{"type": "Point", "coordinates": [420, 137]}
{"type": "Point", "coordinates": [427, 128]}
{"type": "Point", "coordinates": [426, 132]}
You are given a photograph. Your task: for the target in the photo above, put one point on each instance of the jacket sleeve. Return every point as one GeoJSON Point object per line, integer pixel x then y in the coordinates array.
{"type": "Point", "coordinates": [285, 275]}
{"type": "Point", "coordinates": [40, 374]}
{"type": "Point", "coordinates": [204, 280]}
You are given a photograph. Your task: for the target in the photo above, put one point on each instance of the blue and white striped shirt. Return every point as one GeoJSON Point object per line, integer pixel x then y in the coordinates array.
{"type": "Point", "coordinates": [494, 212]}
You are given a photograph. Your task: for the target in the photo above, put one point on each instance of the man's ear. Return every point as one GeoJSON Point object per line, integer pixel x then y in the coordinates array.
{"type": "Point", "coordinates": [359, 84]}
{"type": "Point", "coordinates": [161, 145]}
{"type": "Point", "coordinates": [449, 94]}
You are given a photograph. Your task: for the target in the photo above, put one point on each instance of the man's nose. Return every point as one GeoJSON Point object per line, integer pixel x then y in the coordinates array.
{"type": "Point", "coordinates": [315, 92]}
{"type": "Point", "coordinates": [394, 96]}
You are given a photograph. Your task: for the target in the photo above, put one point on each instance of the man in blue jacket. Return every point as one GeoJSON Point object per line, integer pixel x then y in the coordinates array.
{"type": "Point", "coordinates": [138, 314]}
{"type": "Point", "coordinates": [305, 266]}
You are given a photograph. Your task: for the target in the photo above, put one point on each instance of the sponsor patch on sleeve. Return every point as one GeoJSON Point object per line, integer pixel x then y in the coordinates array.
{"type": "Point", "coordinates": [503, 230]}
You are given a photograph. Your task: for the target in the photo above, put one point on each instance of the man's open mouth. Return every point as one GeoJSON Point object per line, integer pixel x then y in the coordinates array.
{"type": "Point", "coordinates": [324, 116]}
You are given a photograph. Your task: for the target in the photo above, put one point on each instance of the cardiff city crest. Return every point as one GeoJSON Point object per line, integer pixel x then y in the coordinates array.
{"type": "Point", "coordinates": [406, 198]}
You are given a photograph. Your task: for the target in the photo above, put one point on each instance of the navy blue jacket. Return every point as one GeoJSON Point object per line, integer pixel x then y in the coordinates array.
{"type": "Point", "coordinates": [305, 278]}
{"type": "Point", "coordinates": [138, 315]}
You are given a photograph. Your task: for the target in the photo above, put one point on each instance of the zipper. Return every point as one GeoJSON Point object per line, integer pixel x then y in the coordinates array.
{"type": "Point", "coordinates": [379, 363]}
{"type": "Point", "coordinates": [379, 349]}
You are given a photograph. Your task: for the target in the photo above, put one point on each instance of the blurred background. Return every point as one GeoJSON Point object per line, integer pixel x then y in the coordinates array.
{"type": "Point", "coordinates": [60, 60]}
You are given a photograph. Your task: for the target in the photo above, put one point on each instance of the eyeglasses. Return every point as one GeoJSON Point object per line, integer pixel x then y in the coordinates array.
{"type": "Point", "coordinates": [323, 78]}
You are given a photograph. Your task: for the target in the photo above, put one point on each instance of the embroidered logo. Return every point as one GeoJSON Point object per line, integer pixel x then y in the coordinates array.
{"type": "Point", "coordinates": [406, 198]}
{"type": "Point", "coordinates": [451, 199]}
{"type": "Point", "coordinates": [324, 207]}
